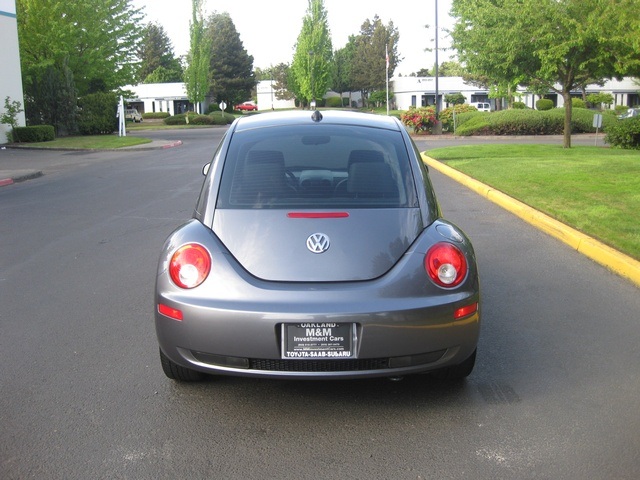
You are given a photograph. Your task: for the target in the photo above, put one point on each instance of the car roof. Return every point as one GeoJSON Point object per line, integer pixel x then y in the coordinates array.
{"type": "Point", "coordinates": [302, 117]}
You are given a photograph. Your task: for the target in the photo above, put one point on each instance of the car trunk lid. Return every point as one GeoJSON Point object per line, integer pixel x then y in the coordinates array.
{"type": "Point", "coordinates": [312, 246]}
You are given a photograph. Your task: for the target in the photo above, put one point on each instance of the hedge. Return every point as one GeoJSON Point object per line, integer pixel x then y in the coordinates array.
{"type": "Point", "coordinates": [154, 115]}
{"type": "Point", "coordinates": [37, 133]}
{"type": "Point", "coordinates": [333, 102]}
{"type": "Point", "coordinates": [215, 118]}
{"type": "Point", "coordinates": [530, 122]}
{"type": "Point", "coordinates": [624, 134]}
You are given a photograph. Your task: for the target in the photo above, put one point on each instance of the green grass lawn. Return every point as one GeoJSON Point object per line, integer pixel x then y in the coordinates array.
{"type": "Point", "coordinates": [91, 142]}
{"type": "Point", "coordinates": [595, 190]}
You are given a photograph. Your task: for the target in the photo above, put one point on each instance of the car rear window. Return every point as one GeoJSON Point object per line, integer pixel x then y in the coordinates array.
{"type": "Point", "coordinates": [324, 166]}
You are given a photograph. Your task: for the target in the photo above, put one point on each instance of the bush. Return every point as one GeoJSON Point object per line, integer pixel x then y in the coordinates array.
{"type": "Point", "coordinates": [214, 118]}
{"type": "Point", "coordinates": [446, 115]}
{"type": "Point", "coordinates": [37, 133]}
{"type": "Point", "coordinates": [624, 133]}
{"type": "Point", "coordinates": [578, 103]}
{"type": "Point", "coordinates": [155, 115]}
{"type": "Point", "coordinates": [98, 114]}
{"type": "Point", "coordinates": [179, 119]}
{"type": "Point", "coordinates": [215, 107]}
{"type": "Point", "coordinates": [420, 119]}
{"type": "Point", "coordinates": [334, 102]}
{"type": "Point", "coordinates": [218, 119]}
{"type": "Point", "coordinates": [544, 104]}
{"type": "Point", "coordinates": [519, 106]}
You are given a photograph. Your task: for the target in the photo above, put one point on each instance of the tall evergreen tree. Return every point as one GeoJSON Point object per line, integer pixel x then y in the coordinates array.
{"type": "Point", "coordinates": [231, 67]}
{"type": "Point", "coordinates": [369, 63]}
{"type": "Point", "coordinates": [157, 60]}
{"type": "Point", "coordinates": [311, 67]}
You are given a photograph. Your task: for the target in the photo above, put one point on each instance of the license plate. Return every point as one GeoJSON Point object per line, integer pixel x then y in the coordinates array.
{"type": "Point", "coordinates": [318, 340]}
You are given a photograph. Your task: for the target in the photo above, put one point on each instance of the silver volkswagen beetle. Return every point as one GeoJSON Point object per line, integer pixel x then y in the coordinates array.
{"type": "Point", "coordinates": [317, 250]}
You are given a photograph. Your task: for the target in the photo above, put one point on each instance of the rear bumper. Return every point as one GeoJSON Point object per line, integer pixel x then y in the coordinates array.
{"type": "Point", "coordinates": [387, 343]}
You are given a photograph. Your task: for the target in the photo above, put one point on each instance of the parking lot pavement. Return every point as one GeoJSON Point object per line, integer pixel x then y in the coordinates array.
{"type": "Point", "coordinates": [18, 167]}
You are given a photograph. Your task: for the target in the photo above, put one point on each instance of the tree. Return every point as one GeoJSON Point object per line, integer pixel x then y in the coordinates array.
{"type": "Point", "coordinates": [445, 69]}
{"type": "Point", "coordinates": [597, 99]}
{"type": "Point", "coordinates": [283, 79]}
{"type": "Point", "coordinates": [231, 66]}
{"type": "Point", "coordinates": [369, 62]}
{"type": "Point", "coordinates": [455, 98]}
{"type": "Point", "coordinates": [311, 67]}
{"type": "Point", "coordinates": [548, 45]}
{"type": "Point", "coordinates": [196, 75]}
{"type": "Point", "coordinates": [157, 61]}
{"type": "Point", "coordinates": [53, 99]}
{"type": "Point", "coordinates": [97, 40]}
{"type": "Point", "coordinates": [342, 75]}
{"type": "Point", "coordinates": [10, 117]}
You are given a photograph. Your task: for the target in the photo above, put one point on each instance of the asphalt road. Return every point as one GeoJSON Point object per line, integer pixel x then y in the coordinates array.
{"type": "Point", "coordinates": [555, 393]}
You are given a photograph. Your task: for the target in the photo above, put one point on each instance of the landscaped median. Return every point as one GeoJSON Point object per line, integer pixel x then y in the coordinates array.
{"type": "Point", "coordinates": [587, 197]}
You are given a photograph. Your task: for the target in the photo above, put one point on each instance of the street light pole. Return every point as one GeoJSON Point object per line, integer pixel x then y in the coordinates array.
{"type": "Point", "coordinates": [312, 103]}
{"type": "Point", "coordinates": [438, 125]}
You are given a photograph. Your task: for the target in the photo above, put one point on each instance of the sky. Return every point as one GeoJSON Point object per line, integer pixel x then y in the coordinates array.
{"type": "Point", "coordinates": [269, 28]}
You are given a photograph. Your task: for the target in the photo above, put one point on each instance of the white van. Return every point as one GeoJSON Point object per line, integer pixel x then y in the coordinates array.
{"type": "Point", "coordinates": [482, 106]}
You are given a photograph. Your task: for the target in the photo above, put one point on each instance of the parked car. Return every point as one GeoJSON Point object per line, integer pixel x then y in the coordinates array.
{"type": "Point", "coordinates": [317, 250]}
{"type": "Point", "coordinates": [631, 112]}
{"type": "Point", "coordinates": [133, 115]}
{"type": "Point", "coordinates": [482, 106]}
{"type": "Point", "coordinates": [246, 106]}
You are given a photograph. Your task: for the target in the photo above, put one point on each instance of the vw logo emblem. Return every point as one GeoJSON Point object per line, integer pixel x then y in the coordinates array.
{"type": "Point", "coordinates": [318, 243]}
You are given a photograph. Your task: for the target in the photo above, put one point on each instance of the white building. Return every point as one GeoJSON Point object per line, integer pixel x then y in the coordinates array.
{"type": "Point", "coordinates": [11, 77]}
{"type": "Point", "coordinates": [159, 97]}
{"type": "Point", "coordinates": [407, 91]}
{"type": "Point", "coordinates": [267, 99]}
{"type": "Point", "coordinates": [421, 92]}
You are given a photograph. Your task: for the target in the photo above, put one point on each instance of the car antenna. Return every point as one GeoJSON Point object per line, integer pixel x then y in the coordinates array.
{"type": "Point", "coordinates": [316, 116]}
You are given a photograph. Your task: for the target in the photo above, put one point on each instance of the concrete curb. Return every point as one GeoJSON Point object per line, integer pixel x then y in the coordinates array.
{"type": "Point", "coordinates": [20, 178]}
{"type": "Point", "coordinates": [615, 261]}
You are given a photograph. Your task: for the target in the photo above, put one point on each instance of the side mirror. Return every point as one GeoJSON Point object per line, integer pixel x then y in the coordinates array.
{"type": "Point", "coordinates": [205, 169]}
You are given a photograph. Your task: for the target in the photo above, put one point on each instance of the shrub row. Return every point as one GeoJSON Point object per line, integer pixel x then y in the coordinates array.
{"type": "Point", "coordinates": [155, 115]}
{"type": "Point", "coordinates": [37, 133]}
{"type": "Point", "coordinates": [529, 122]}
{"type": "Point", "coordinates": [215, 118]}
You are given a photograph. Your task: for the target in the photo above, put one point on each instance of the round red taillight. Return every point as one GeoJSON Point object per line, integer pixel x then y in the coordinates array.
{"type": "Point", "coordinates": [190, 265]}
{"type": "Point", "coordinates": [446, 265]}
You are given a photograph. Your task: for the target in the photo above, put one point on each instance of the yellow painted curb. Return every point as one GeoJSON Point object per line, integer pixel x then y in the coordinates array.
{"type": "Point", "coordinates": [615, 261]}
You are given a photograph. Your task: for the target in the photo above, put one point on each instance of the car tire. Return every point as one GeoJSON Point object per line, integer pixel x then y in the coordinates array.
{"type": "Point", "coordinates": [176, 372]}
{"type": "Point", "coordinates": [456, 372]}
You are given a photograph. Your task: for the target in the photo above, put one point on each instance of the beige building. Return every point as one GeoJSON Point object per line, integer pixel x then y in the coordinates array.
{"type": "Point", "coordinates": [11, 77]}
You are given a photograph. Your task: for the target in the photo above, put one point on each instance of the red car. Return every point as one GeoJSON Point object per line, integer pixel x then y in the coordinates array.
{"type": "Point", "coordinates": [246, 106]}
